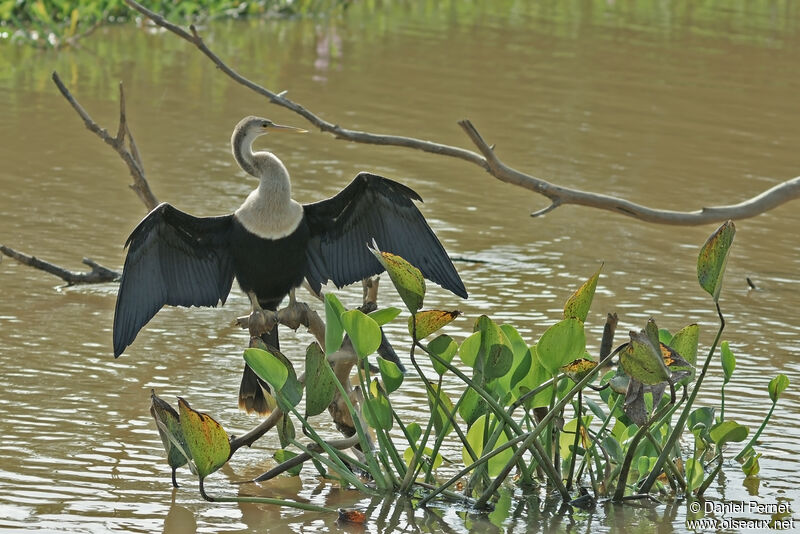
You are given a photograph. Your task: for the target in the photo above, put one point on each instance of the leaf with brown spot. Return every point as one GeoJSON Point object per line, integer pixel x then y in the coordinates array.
{"type": "Point", "coordinates": [641, 361]}
{"type": "Point", "coordinates": [577, 306]}
{"type": "Point", "coordinates": [713, 257]}
{"type": "Point", "coordinates": [429, 321]}
{"type": "Point", "coordinates": [206, 440]}
{"type": "Point", "coordinates": [406, 278]}
{"type": "Point", "coordinates": [578, 368]}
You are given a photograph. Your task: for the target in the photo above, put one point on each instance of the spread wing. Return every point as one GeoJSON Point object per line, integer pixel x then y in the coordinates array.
{"type": "Point", "coordinates": [173, 258]}
{"type": "Point", "coordinates": [372, 207]}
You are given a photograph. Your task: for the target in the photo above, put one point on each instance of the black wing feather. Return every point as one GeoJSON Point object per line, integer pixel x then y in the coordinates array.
{"type": "Point", "coordinates": [173, 258]}
{"type": "Point", "coordinates": [373, 207]}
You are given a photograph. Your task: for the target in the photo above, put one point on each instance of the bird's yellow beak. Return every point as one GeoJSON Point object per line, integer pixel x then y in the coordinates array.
{"type": "Point", "coordinates": [289, 129]}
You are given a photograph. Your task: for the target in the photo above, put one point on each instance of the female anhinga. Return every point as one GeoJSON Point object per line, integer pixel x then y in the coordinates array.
{"type": "Point", "coordinates": [270, 244]}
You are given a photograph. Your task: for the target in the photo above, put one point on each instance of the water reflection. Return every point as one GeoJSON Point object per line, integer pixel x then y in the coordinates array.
{"type": "Point", "coordinates": [671, 104]}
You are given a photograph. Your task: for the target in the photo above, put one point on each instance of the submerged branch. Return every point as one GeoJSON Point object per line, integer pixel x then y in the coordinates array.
{"type": "Point", "coordinates": [488, 160]}
{"type": "Point", "coordinates": [98, 274]}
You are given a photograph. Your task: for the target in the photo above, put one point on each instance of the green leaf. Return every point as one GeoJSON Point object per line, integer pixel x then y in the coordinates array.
{"type": "Point", "coordinates": [364, 332]}
{"type": "Point", "coordinates": [713, 258]}
{"type": "Point", "coordinates": [206, 440]}
{"type": "Point", "coordinates": [537, 376]}
{"type": "Point", "coordinates": [642, 362]}
{"type": "Point", "coordinates": [470, 347]}
{"type": "Point", "coordinates": [643, 465]}
{"type": "Point", "coordinates": [408, 455]}
{"type": "Point", "coordinates": [664, 336]}
{"type": "Point", "coordinates": [169, 429]}
{"type": "Point", "coordinates": [414, 432]}
{"type": "Point", "coordinates": [751, 467]}
{"type": "Point", "coordinates": [430, 321]}
{"type": "Point", "coordinates": [651, 329]}
{"type": "Point", "coordinates": [406, 278]}
{"type": "Point", "coordinates": [385, 315]}
{"type": "Point", "coordinates": [566, 438]}
{"type": "Point", "coordinates": [685, 341]}
{"type": "Point", "coordinates": [320, 382]}
{"type": "Point", "coordinates": [445, 348]}
{"type": "Point", "coordinates": [334, 331]}
{"type": "Point", "coordinates": [613, 448]}
{"type": "Point", "coordinates": [286, 432]}
{"type": "Point", "coordinates": [519, 349]}
{"type": "Point", "coordinates": [727, 431]}
{"type": "Point", "coordinates": [577, 306]}
{"type": "Point", "coordinates": [703, 417]}
{"type": "Point", "coordinates": [377, 410]}
{"type": "Point", "coordinates": [267, 366]}
{"type": "Point", "coordinates": [777, 385]}
{"type": "Point", "coordinates": [494, 356]}
{"type": "Point", "coordinates": [440, 410]}
{"type": "Point", "coordinates": [391, 375]}
{"type": "Point", "coordinates": [292, 390]}
{"type": "Point", "coordinates": [560, 344]}
{"type": "Point", "coordinates": [282, 455]}
{"type": "Point", "coordinates": [275, 368]}
{"type": "Point", "coordinates": [728, 362]}
{"type": "Point", "coordinates": [472, 406]}
{"type": "Point", "coordinates": [521, 371]}
{"type": "Point", "coordinates": [475, 437]}
{"type": "Point", "coordinates": [694, 474]}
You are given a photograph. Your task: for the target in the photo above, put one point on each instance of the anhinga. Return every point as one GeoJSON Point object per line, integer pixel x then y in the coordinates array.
{"type": "Point", "coordinates": [270, 245]}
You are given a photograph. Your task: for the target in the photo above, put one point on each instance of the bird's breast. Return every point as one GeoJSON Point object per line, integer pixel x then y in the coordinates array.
{"type": "Point", "coordinates": [269, 217]}
{"type": "Point", "coordinates": [269, 267]}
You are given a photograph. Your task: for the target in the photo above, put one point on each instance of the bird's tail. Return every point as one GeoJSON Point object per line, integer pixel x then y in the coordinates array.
{"type": "Point", "coordinates": [254, 393]}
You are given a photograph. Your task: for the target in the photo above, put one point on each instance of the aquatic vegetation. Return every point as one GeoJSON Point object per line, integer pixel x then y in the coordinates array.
{"type": "Point", "coordinates": [56, 23]}
{"type": "Point", "coordinates": [547, 414]}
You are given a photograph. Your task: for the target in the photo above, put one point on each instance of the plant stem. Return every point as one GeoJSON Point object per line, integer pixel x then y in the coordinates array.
{"type": "Point", "coordinates": [499, 412]}
{"type": "Point", "coordinates": [531, 436]}
{"type": "Point", "coordinates": [755, 437]}
{"type": "Point", "coordinates": [678, 429]}
{"type": "Point", "coordinates": [622, 482]}
{"type": "Point", "coordinates": [575, 442]}
{"type": "Point", "coordinates": [365, 445]}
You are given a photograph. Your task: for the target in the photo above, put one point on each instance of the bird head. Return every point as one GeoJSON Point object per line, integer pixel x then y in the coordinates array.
{"type": "Point", "coordinates": [256, 126]}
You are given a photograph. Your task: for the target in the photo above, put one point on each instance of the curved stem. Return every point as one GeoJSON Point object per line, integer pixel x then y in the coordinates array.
{"type": "Point", "coordinates": [678, 429]}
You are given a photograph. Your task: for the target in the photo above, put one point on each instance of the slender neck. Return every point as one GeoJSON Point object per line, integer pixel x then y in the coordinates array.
{"type": "Point", "coordinates": [242, 147]}
{"type": "Point", "coordinates": [274, 178]}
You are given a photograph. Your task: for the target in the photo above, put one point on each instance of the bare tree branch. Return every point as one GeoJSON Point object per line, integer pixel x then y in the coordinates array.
{"type": "Point", "coordinates": [486, 159]}
{"type": "Point", "coordinates": [98, 274]}
{"type": "Point", "coordinates": [129, 154]}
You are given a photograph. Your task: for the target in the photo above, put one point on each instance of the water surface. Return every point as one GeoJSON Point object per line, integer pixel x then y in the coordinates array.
{"type": "Point", "coordinates": [669, 105]}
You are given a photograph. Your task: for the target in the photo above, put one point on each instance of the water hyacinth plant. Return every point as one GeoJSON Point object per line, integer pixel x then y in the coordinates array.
{"type": "Point", "coordinates": [536, 414]}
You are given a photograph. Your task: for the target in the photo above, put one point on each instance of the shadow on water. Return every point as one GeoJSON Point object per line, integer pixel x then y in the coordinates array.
{"type": "Point", "coordinates": [672, 104]}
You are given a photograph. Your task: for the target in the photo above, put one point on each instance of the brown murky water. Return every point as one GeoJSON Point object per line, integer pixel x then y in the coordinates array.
{"type": "Point", "coordinates": [669, 105]}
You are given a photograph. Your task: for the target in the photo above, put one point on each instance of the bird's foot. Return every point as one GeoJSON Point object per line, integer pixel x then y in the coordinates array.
{"type": "Point", "coordinates": [295, 314]}
{"type": "Point", "coordinates": [261, 321]}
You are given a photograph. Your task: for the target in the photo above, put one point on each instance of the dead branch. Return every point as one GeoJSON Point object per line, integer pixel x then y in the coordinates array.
{"type": "Point", "coordinates": [129, 153]}
{"type": "Point", "coordinates": [98, 274]}
{"type": "Point", "coordinates": [488, 160]}
{"type": "Point", "coordinates": [250, 438]}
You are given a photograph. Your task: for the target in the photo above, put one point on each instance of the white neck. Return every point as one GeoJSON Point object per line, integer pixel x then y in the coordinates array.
{"type": "Point", "coordinates": [269, 210]}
